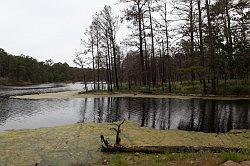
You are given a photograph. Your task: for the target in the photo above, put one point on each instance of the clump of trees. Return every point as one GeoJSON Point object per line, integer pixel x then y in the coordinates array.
{"type": "Point", "coordinates": [204, 41]}
{"type": "Point", "coordinates": [24, 69]}
{"type": "Point", "coordinates": [101, 41]}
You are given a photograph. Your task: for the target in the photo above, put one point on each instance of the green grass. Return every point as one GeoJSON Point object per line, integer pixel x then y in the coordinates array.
{"type": "Point", "coordinates": [231, 88]}
{"type": "Point", "coordinates": [234, 88]}
{"type": "Point", "coordinates": [118, 160]}
{"type": "Point", "coordinates": [231, 156]}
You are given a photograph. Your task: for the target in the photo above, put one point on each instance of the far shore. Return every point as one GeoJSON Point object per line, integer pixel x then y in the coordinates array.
{"type": "Point", "coordinates": [77, 94]}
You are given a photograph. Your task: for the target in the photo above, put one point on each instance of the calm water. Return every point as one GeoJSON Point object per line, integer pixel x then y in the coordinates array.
{"type": "Point", "coordinates": [194, 115]}
{"type": "Point", "coordinates": [43, 88]}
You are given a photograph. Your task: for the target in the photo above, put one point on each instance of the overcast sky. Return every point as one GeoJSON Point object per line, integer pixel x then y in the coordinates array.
{"type": "Point", "coordinates": [46, 29]}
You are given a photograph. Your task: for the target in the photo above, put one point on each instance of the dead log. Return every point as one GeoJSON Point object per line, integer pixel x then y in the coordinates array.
{"type": "Point", "coordinates": [117, 147]}
{"type": "Point", "coordinates": [171, 149]}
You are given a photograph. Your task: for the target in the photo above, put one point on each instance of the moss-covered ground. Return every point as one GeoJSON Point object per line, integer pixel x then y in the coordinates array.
{"type": "Point", "coordinates": [79, 145]}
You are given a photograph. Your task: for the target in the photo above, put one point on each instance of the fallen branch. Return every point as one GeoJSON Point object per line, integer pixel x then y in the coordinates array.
{"type": "Point", "coordinates": [105, 143]}
{"type": "Point", "coordinates": [170, 149]}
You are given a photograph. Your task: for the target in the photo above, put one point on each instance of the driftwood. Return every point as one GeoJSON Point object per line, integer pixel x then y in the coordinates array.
{"type": "Point", "coordinates": [105, 143]}
{"type": "Point", "coordinates": [117, 147]}
{"type": "Point", "coordinates": [118, 131]}
{"type": "Point", "coordinates": [170, 149]}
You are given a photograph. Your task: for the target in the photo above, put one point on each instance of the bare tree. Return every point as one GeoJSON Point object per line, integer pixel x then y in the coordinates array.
{"type": "Point", "coordinates": [80, 61]}
{"type": "Point", "coordinates": [110, 24]}
{"type": "Point", "coordinates": [135, 12]}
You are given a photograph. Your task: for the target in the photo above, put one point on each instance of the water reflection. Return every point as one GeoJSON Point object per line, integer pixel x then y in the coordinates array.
{"type": "Point", "coordinates": [192, 115]}
{"type": "Point", "coordinates": [7, 91]}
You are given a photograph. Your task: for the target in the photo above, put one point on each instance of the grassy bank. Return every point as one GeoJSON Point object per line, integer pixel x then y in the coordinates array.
{"type": "Point", "coordinates": [230, 88]}
{"type": "Point", "coordinates": [79, 144]}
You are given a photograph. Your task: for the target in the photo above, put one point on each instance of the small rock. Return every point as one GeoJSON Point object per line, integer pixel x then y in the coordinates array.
{"type": "Point", "coordinates": [230, 163]}
{"type": "Point", "coordinates": [105, 162]}
{"type": "Point", "coordinates": [44, 163]}
{"type": "Point", "coordinates": [137, 154]}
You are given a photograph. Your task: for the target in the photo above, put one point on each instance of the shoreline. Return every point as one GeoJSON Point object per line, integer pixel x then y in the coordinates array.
{"type": "Point", "coordinates": [77, 95]}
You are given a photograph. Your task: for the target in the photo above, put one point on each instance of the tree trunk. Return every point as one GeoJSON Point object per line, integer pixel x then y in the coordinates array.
{"type": "Point", "coordinates": [153, 67]}
{"type": "Point", "coordinates": [191, 31]}
{"type": "Point", "coordinates": [93, 58]}
{"type": "Point", "coordinates": [140, 14]}
{"type": "Point", "coordinates": [98, 61]}
{"type": "Point", "coordinates": [147, 68]}
{"type": "Point", "coordinates": [202, 48]}
{"type": "Point", "coordinates": [211, 47]}
{"type": "Point", "coordinates": [107, 63]}
{"type": "Point", "coordinates": [168, 55]}
{"type": "Point", "coordinates": [115, 61]}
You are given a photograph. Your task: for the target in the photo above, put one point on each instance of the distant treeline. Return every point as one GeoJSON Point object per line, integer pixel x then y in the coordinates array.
{"type": "Point", "coordinates": [24, 70]}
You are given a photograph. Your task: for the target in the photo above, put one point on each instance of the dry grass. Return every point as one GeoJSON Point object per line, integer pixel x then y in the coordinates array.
{"type": "Point", "coordinates": [78, 94]}
{"type": "Point", "coordinates": [80, 143]}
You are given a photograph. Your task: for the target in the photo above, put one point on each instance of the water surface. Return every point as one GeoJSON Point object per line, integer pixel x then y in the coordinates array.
{"type": "Point", "coordinates": [192, 115]}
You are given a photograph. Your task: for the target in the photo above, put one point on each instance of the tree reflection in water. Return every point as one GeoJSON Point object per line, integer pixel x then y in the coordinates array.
{"type": "Point", "coordinates": [192, 115]}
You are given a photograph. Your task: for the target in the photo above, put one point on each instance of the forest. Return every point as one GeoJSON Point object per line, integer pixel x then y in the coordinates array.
{"type": "Point", "coordinates": [181, 47]}
{"type": "Point", "coordinates": [23, 70]}
{"type": "Point", "coordinates": [186, 46]}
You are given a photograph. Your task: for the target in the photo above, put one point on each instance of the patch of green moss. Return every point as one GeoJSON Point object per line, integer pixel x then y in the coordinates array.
{"type": "Point", "coordinates": [81, 142]}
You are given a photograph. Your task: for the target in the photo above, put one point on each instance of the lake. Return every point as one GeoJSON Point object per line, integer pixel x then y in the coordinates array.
{"type": "Point", "coordinates": [212, 116]}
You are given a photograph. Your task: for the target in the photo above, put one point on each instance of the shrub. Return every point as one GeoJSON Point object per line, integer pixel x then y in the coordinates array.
{"type": "Point", "coordinates": [231, 156]}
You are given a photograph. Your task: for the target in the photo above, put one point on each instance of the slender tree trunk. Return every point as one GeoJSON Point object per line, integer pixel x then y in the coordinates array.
{"type": "Point", "coordinates": [229, 32]}
{"type": "Point", "coordinates": [147, 68]}
{"type": "Point", "coordinates": [168, 55]}
{"type": "Point", "coordinates": [202, 48]}
{"type": "Point", "coordinates": [163, 65]}
{"type": "Point", "coordinates": [191, 31]}
{"type": "Point", "coordinates": [107, 62]}
{"type": "Point", "coordinates": [115, 60]}
{"type": "Point", "coordinates": [160, 70]}
{"type": "Point", "coordinates": [229, 27]}
{"type": "Point", "coordinates": [153, 67]}
{"type": "Point", "coordinates": [110, 71]}
{"type": "Point", "coordinates": [93, 59]}
{"type": "Point", "coordinates": [98, 61]}
{"type": "Point", "coordinates": [211, 47]}
{"type": "Point", "coordinates": [140, 15]}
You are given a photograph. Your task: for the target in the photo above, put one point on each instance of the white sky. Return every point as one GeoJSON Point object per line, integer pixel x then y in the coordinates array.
{"type": "Point", "coordinates": [46, 29]}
